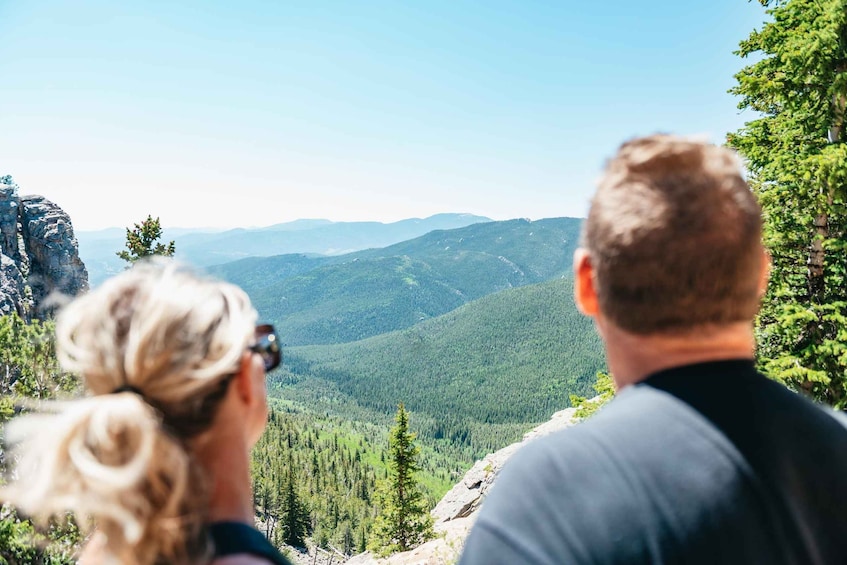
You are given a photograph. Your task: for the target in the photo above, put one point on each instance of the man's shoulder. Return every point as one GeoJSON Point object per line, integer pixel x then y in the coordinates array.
{"type": "Point", "coordinates": [633, 423]}
{"type": "Point", "coordinates": [655, 463]}
{"type": "Point", "coordinates": [574, 492]}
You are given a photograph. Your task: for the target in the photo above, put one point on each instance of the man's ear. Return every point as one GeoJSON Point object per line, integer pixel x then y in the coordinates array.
{"type": "Point", "coordinates": [585, 292]}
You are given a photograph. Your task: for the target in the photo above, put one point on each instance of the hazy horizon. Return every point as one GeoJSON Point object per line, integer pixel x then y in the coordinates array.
{"type": "Point", "coordinates": [227, 228]}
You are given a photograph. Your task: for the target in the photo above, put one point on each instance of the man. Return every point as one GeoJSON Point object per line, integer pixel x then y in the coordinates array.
{"type": "Point", "coordinates": [699, 459]}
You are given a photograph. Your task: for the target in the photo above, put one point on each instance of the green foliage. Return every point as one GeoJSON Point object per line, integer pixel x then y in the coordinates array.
{"type": "Point", "coordinates": [797, 160]}
{"type": "Point", "coordinates": [7, 408]}
{"type": "Point", "coordinates": [21, 542]}
{"type": "Point", "coordinates": [404, 521]}
{"type": "Point", "coordinates": [605, 389]}
{"type": "Point", "coordinates": [28, 366]}
{"type": "Point", "coordinates": [29, 370]}
{"type": "Point", "coordinates": [16, 539]}
{"type": "Point", "coordinates": [143, 241]}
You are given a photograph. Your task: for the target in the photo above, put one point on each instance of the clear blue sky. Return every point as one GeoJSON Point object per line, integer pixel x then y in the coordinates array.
{"type": "Point", "coordinates": [250, 113]}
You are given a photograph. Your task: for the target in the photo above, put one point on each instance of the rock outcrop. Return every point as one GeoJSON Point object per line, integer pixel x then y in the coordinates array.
{"type": "Point", "coordinates": [39, 265]}
{"type": "Point", "coordinates": [456, 512]}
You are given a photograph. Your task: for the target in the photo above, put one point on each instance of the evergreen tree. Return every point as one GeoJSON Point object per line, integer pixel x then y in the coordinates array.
{"type": "Point", "coordinates": [295, 516]}
{"type": "Point", "coordinates": [348, 544]}
{"type": "Point", "coordinates": [796, 155]}
{"type": "Point", "coordinates": [143, 241]}
{"type": "Point", "coordinates": [404, 521]}
{"type": "Point", "coordinates": [363, 541]}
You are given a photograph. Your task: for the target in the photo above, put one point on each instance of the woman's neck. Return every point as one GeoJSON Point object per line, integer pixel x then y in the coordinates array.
{"type": "Point", "coordinates": [227, 465]}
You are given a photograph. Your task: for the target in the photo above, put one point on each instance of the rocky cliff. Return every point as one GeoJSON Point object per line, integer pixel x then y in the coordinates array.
{"type": "Point", "coordinates": [39, 257]}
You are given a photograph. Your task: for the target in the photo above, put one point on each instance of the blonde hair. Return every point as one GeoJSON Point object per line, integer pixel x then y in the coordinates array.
{"type": "Point", "coordinates": [171, 340]}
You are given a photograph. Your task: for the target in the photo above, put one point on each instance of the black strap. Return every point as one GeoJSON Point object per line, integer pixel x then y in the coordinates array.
{"type": "Point", "coordinates": [236, 538]}
{"type": "Point", "coordinates": [128, 388]}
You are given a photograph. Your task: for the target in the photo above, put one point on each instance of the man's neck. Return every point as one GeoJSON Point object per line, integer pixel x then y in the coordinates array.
{"type": "Point", "coordinates": [633, 357]}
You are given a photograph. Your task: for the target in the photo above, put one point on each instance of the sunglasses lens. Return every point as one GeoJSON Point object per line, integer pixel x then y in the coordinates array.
{"type": "Point", "coordinates": [267, 346]}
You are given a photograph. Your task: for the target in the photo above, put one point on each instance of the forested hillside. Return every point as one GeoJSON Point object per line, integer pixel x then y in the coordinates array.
{"type": "Point", "coordinates": [317, 467]}
{"type": "Point", "coordinates": [367, 293]}
{"type": "Point", "coordinates": [475, 378]}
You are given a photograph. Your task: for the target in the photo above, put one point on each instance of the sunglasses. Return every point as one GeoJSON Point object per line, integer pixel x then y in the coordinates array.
{"type": "Point", "coordinates": [267, 346]}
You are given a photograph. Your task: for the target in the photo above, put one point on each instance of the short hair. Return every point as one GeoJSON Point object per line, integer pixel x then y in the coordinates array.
{"type": "Point", "coordinates": [156, 347]}
{"type": "Point", "coordinates": [674, 236]}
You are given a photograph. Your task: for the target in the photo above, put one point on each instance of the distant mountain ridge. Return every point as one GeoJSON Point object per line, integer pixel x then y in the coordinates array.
{"type": "Point", "coordinates": [205, 247]}
{"type": "Point", "coordinates": [321, 300]}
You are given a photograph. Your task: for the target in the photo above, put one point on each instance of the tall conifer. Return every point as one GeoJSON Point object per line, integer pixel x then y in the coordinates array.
{"type": "Point", "coordinates": [404, 521]}
{"type": "Point", "coordinates": [796, 154]}
{"type": "Point", "coordinates": [295, 516]}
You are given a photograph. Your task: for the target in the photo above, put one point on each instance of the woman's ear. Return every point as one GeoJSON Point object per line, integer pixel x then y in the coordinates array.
{"type": "Point", "coordinates": [244, 378]}
{"type": "Point", "coordinates": [585, 292]}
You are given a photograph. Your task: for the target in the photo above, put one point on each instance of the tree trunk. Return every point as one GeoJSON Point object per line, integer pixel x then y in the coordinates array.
{"type": "Point", "coordinates": [817, 255]}
{"type": "Point", "coordinates": [821, 228]}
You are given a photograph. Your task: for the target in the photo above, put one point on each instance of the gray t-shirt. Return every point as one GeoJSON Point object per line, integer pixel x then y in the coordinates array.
{"type": "Point", "coordinates": [708, 463]}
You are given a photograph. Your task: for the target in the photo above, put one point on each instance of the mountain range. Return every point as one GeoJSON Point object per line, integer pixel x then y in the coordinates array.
{"type": "Point", "coordinates": [321, 300]}
{"type": "Point", "coordinates": [204, 247]}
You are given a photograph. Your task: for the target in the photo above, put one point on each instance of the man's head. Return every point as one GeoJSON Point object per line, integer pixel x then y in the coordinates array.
{"type": "Point", "coordinates": [673, 238]}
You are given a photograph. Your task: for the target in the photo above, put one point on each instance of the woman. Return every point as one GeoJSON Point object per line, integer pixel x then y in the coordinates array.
{"type": "Point", "coordinates": [156, 456]}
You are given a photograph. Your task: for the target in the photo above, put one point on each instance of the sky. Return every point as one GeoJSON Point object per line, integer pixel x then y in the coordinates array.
{"type": "Point", "coordinates": [250, 113]}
